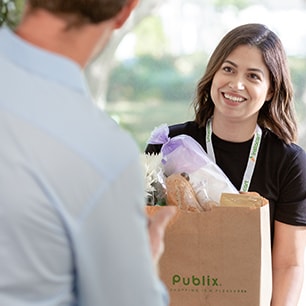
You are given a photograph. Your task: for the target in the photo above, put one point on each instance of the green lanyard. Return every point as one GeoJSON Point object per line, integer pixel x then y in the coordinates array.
{"type": "Point", "coordinates": [252, 157]}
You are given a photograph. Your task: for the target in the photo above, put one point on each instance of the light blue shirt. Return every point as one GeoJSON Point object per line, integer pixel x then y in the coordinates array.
{"type": "Point", "coordinates": [72, 221]}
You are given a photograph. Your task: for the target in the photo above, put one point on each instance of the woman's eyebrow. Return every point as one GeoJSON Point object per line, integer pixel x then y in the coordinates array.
{"type": "Point", "coordinates": [230, 62]}
{"type": "Point", "coordinates": [249, 69]}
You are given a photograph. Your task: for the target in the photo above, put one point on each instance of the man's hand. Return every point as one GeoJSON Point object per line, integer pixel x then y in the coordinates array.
{"type": "Point", "coordinates": [157, 226]}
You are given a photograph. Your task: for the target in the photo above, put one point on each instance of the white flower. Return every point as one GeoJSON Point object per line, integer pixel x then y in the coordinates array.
{"type": "Point", "coordinates": [153, 171]}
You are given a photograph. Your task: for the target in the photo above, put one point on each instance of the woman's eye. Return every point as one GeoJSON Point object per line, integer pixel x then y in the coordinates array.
{"type": "Point", "coordinates": [227, 69]}
{"type": "Point", "coordinates": [254, 76]}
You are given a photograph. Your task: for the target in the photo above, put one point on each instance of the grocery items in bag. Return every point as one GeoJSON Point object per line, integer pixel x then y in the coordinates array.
{"type": "Point", "coordinates": [183, 154]}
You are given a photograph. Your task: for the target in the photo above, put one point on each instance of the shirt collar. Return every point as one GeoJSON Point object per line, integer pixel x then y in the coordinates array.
{"type": "Point", "coordinates": [42, 62]}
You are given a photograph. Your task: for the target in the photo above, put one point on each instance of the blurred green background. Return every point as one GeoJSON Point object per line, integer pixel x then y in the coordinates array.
{"type": "Point", "coordinates": [156, 92]}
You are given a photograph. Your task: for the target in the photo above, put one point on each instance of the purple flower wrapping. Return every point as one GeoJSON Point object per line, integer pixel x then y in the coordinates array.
{"type": "Point", "coordinates": [160, 135]}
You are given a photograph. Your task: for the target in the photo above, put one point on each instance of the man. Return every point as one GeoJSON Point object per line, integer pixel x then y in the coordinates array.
{"type": "Point", "coordinates": [72, 220]}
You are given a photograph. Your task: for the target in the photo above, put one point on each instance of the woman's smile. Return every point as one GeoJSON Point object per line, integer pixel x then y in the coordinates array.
{"type": "Point", "coordinates": [233, 98]}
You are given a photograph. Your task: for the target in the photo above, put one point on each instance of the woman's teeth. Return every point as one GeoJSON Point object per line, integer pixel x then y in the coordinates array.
{"type": "Point", "coordinates": [234, 99]}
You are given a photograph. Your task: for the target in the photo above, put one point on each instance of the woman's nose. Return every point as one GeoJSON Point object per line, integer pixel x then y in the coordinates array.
{"type": "Point", "coordinates": [236, 84]}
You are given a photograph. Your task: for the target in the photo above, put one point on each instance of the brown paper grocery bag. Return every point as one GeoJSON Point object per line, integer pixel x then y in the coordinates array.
{"type": "Point", "coordinates": [220, 257]}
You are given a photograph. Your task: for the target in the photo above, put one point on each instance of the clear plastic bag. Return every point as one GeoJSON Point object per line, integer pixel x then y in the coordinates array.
{"type": "Point", "coordinates": [182, 153]}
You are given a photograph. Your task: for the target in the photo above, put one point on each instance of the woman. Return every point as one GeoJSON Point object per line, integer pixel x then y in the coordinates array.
{"type": "Point", "coordinates": [245, 121]}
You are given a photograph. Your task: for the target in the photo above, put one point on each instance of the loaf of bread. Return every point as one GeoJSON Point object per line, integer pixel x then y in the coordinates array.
{"type": "Point", "coordinates": [179, 192]}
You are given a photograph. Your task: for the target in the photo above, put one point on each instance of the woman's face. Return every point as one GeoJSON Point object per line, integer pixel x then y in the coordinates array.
{"type": "Point", "coordinates": [242, 85]}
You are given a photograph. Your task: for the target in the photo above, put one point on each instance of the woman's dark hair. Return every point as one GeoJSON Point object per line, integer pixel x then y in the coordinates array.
{"type": "Point", "coordinates": [277, 114]}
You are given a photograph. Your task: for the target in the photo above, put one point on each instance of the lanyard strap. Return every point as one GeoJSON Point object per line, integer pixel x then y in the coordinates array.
{"type": "Point", "coordinates": [252, 156]}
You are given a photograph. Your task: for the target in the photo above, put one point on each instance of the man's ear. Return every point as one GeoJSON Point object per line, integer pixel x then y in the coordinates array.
{"type": "Point", "coordinates": [125, 12]}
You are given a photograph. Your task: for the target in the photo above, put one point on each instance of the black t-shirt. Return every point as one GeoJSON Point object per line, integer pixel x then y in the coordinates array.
{"type": "Point", "coordinates": [279, 174]}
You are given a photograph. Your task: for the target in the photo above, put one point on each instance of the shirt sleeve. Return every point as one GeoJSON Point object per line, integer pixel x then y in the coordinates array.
{"type": "Point", "coordinates": [153, 149]}
{"type": "Point", "coordinates": [291, 207]}
{"type": "Point", "coordinates": [114, 261]}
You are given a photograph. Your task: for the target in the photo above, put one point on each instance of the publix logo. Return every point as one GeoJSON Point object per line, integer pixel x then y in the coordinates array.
{"type": "Point", "coordinates": [198, 281]}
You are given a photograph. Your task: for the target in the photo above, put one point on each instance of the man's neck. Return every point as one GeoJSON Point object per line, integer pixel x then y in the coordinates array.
{"type": "Point", "coordinates": [50, 32]}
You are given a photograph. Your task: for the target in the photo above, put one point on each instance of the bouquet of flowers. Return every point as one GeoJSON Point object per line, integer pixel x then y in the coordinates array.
{"type": "Point", "coordinates": [154, 179]}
